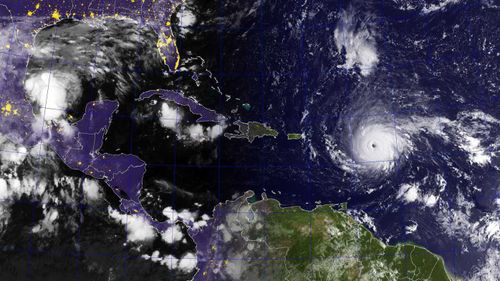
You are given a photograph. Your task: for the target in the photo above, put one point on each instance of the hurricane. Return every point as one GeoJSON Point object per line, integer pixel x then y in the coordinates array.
{"type": "Point", "coordinates": [377, 145]}
{"type": "Point", "coordinates": [415, 149]}
{"type": "Point", "coordinates": [138, 131]}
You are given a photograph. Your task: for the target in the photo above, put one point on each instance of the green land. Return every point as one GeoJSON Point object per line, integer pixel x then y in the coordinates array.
{"type": "Point", "coordinates": [294, 136]}
{"type": "Point", "coordinates": [251, 131]}
{"type": "Point", "coordinates": [289, 243]}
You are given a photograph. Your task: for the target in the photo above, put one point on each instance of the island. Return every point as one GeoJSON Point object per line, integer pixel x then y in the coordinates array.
{"type": "Point", "coordinates": [251, 130]}
{"type": "Point", "coordinates": [294, 136]}
{"type": "Point", "coordinates": [206, 115]}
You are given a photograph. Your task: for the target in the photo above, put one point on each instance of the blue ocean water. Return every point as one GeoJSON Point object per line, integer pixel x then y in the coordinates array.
{"type": "Point", "coordinates": [416, 79]}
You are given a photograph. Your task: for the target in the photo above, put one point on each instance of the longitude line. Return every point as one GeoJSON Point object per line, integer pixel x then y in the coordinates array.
{"type": "Point", "coordinates": [174, 169]}
{"type": "Point", "coordinates": [220, 32]}
{"type": "Point", "coordinates": [265, 263]}
{"type": "Point", "coordinates": [30, 242]}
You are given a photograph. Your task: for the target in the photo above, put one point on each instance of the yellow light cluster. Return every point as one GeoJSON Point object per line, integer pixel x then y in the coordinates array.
{"type": "Point", "coordinates": [30, 13]}
{"type": "Point", "coordinates": [165, 41]}
{"type": "Point", "coordinates": [8, 109]}
{"type": "Point", "coordinates": [56, 15]}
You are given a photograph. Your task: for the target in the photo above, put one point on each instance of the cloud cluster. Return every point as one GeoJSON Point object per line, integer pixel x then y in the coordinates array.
{"type": "Point", "coordinates": [410, 192]}
{"type": "Point", "coordinates": [138, 228]}
{"type": "Point", "coordinates": [187, 263]}
{"type": "Point", "coordinates": [173, 118]}
{"type": "Point", "coordinates": [355, 37]}
{"type": "Point", "coordinates": [52, 92]}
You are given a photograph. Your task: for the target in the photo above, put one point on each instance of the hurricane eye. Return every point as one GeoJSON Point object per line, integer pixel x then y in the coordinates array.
{"type": "Point", "coordinates": [376, 145]}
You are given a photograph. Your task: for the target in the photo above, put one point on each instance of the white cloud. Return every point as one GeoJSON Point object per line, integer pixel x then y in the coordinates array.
{"type": "Point", "coordinates": [215, 131]}
{"type": "Point", "coordinates": [170, 213]}
{"type": "Point", "coordinates": [184, 215]}
{"type": "Point", "coordinates": [170, 117]}
{"type": "Point", "coordinates": [363, 218]}
{"type": "Point", "coordinates": [234, 268]}
{"type": "Point", "coordinates": [66, 129]}
{"type": "Point", "coordinates": [91, 189]}
{"type": "Point", "coordinates": [430, 200]}
{"type": "Point", "coordinates": [472, 132]}
{"type": "Point", "coordinates": [477, 153]}
{"type": "Point", "coordinates": [4, 216]}
{"type": "Point", "coordinates": [155, 256]}
{"type": "Point", "coordinates": [489, 270]}
{"type": "Point", "coordinates": [54, 91]}
{"type": "Point", "coordinates": [138, 228]}
{"type": "Point", "coordinates": [481, 232]}
{"type": "Point", "coordinates": [187, 216]}
{"type": "Point", "coordinates": [191, 219]}
{"type": "Point", "coordinates": [17, 188]}
{"type": "Point", "coordinates": [439, 6]}
{"type": "Point", "coordinates": [188, 262]}
{"type": "Point", "coordinates": [4, 190]}
{"type": "Point", "coordinates": [358, 42]}
{"type": "Point", "coordinates": [409, 192]}
{"type": "Point", "coordinates": [411, 228]}
{"type": "Point", "coordinates": [38, 126]}
{"type": "Point", "coordinates": [171, 261]}
{"type": "Point", "coordinates": [186, 18]}
{"type": "Point", "coordinates": [195, 132]}
{"type": "Point", "coordinates": [168, 261]}
{"type": "Point", "coordinates": [11, 187]}
{"type": "Point", "coordinates": [199, 133]}
{"type": "Point", "coordinates": [12, 154]}
{"type": "Point", "coordinates": [441, 182]}
{"type": "Point", "coordinates": [48, 224]}
{"type": "Point", "coordinates": [492, 229]}
{"type": "Point", "coordinates": [201, 223]}
{"type": "Point", "coordinates": [172, 234]}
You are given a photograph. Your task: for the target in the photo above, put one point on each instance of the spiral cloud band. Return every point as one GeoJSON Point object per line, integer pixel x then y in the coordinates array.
{"type": "Point", "coordinates": [377, 145]}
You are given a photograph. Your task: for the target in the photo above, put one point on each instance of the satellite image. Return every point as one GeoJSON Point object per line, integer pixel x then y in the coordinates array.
{"type": "Point", "coordinates": [251, 140]}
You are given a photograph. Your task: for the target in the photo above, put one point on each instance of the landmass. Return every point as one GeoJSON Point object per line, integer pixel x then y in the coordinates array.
{"type": "Point", "coordinates": [294, 136]}
{"type": "Point", "coordinates": [246, 106]}
{"type": "Point", "coordinates": [252, 239]}
{"type": "Point", "coordinates": [247, 239]}
{"type": "Point", "coordinates": [156, 13]}
{"type": "Point", "coordinates": [206, 115]}
{"type": "Point", "coordinates": [251, 130]}
{"type": "Point", "coordinates": [78, 145]}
